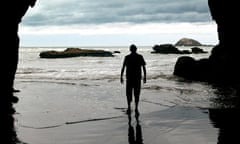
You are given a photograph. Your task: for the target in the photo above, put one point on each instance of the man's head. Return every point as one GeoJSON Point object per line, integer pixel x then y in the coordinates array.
{"type": "Point", "coordinates": [133, 48]}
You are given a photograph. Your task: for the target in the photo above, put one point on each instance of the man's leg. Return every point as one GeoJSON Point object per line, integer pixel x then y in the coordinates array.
{"type": "Point", "coordinates": [137, 89]}
{"type": "Point", "coordinates": [129, 90]}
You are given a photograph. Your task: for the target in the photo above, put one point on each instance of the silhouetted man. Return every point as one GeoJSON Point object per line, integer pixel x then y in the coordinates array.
{"type": "Point", "coordinates": [134, 64]}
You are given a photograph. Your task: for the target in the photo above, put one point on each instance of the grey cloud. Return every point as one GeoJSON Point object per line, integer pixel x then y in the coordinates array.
{"type": "Point", "coordinates": [72, 12]}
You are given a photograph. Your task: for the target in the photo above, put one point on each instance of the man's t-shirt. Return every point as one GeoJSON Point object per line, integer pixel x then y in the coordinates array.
{"type": "Point", "coordinates": [133, 63]}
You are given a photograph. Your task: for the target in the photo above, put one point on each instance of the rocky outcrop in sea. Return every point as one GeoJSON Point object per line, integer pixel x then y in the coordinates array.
{"type": "Point", "coordinates": [75, 52]}
{"type": "Point", "coordinates": [171, 49]}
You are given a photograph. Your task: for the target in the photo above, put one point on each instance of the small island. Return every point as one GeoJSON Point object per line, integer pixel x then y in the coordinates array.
{"type": "Point", "coordinates": [75, 52]}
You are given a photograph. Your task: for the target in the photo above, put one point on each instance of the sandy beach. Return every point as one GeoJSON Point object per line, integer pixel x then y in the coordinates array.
{"type": "Point", "coordinates": [45, 116]}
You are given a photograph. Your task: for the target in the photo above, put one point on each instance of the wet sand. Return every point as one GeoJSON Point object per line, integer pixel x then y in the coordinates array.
{"type": "Point", "coordinates": [46, 116]}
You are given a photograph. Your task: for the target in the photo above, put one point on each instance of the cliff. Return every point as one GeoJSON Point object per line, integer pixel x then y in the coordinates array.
{"type": "Point", "coordinates": [221, 66]}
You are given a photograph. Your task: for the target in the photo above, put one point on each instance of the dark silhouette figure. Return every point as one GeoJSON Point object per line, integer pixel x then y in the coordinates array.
{"type": "Point", "coordinates": [11, 16]}
{"type": "Point", "coordinates": [134, 64]}
{"type": "Point", "coordinates": [134, 138]}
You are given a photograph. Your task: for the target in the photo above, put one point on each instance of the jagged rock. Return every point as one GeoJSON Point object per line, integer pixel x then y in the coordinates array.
{"type": "Point", "coordinates": [188, 42]}
{"type": "Point", "coordinates": [75, 52]}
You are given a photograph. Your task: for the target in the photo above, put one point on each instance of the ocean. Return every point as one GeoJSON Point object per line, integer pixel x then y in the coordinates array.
{"type": "Point", "coordinates": [94, 82]}
{"type": "Point", "coordinates": [85, 69]}
{"type": "Point", "coordinates": [56, 92]}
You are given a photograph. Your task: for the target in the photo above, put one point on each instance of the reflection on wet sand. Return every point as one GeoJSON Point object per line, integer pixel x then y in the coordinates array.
{"type": "Point", "coordinates": [134, 138]}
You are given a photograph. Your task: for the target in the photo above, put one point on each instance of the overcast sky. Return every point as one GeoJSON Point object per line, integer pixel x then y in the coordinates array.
{"type": "Point", "coordinates": [116, 22]}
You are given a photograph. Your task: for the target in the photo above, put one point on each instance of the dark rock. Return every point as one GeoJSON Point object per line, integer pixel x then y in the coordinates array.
{"type": "Point", "coordinates": [185, 67]}
{"type": "Point", "coordinates": [171, 49]}
{"type": "Point", "coordinates": [168, 49]}
{"type": "Point", "coordinates": [75, 52]}
{"type": "Point", "coordinates": [186, 52]}
{"type": "Point", "coordinates": [192, 69]}
{"type": "Point", "coordinates": [197, 50]}
{"type": "Point", "coordinates": [165, 48]}
{"type": "Point", "coordinates": [116, 52]}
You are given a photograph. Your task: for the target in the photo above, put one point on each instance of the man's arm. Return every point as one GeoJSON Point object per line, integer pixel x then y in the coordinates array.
{"type": "Point", "coordinates": [144, 70]}
{"type": "Point", "coordinates": [144, 74]}
{"type": "Point", "coordinates": [122, 70]}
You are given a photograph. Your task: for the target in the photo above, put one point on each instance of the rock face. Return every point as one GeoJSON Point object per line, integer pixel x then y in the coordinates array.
{"type": "Point", "coordinates": [75, 52]}
{"type": "Point", "coordinates": [188, 42]}
{"type": "Point", "coordinates": [222, 66]}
